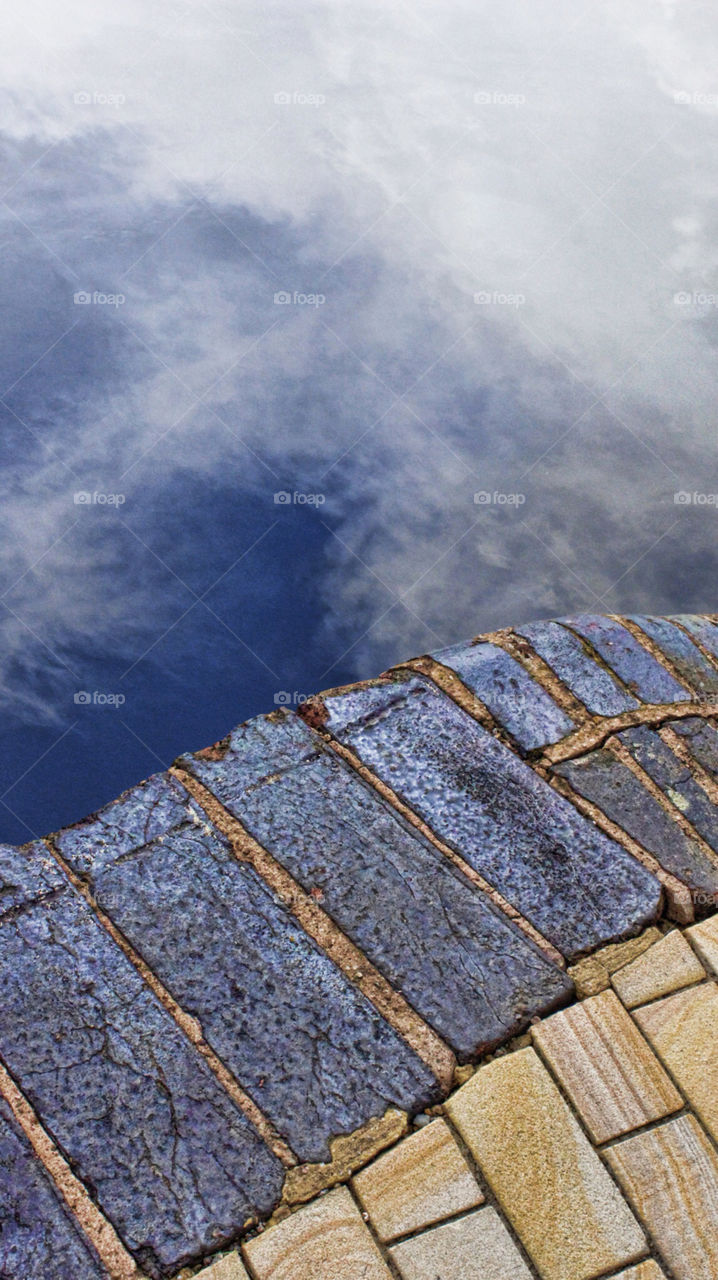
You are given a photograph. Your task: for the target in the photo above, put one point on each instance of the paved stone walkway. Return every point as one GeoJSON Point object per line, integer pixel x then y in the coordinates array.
{"type": "Point", "coordinates": [479, 890]}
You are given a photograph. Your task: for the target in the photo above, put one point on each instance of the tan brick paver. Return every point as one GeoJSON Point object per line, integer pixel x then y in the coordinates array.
{"type": "Point", "coordinates": [477, 1247]}
{"type": "Point", "coordinates": [229, 1268]}
{"type": "Point", "coordinates": [610, 1074]}
{"type": "Point", "coordinates": [704, 937]}
{"type": "Point", "coordinates": [668, 966]}
{"type": "Point", "coordinates": [326, 1240]}
{"type": "Point", "coordinates": [648, 1270]}
{"type": "Point", "coordinates": [422, 1181]}
{"type": "Point", "coordinates": [683, 1030]}
{"type": "Point", "coordinates": [546, 1177]}
{"type": "Point", "coordinates": [671, 1176]}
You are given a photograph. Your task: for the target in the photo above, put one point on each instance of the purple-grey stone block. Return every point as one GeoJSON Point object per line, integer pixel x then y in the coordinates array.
{"type": "Point", "coordinates": [608, 783]}
{"type": "Point", "coordinates": [516, 701]}
{"type": "Point", "coordinates": [573, 883]}
{"type": "Point", "coordinates": [702, 628]}
{"type": "Point", "coordinates": [145, 1124]}
{"type": "Point", "coordinates": [674, 779]}
{"type": "Point", "coordinates": [302, 1040]}
{"type": "Point", "coordinates": [701, 738]}
{"type": "Point", "coordinates": [564, 653]}
{"type": "Point", "coordinates": [38, 1238]}
{"type": "Point", "coordinates": [637, 668]}
{"type": "Point", "coordinates": [690, 663]}
{"type": "Point", "coordinates": [458, 961]}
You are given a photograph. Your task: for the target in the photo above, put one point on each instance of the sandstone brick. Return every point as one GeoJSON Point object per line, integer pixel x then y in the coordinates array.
{"type": "Point", "coordinates": [547, 1178]}
{"type": "Point", "coordinates": [613, 1079]}
{"type": "Point", "coordinates": [227, 1268]}
{"type": "Point", "coordinates": [671, 1176]}
{"type": "Point", "coordinates": [683, 1030]}
{"type": "Point", "coordinates": [422, 1181]}
{"type": "Point", "coordinates": [666, 967]}
{"type": "Point", "coordinates": [326, 1239]}
{"type": "Point", "coordinates": [704, 937]}
{"type": "Point", "coordinates": [648, 1270]}
{"type": "Point", "coordinates": [593, 974]}
{"type": "Point", "coordinates": [477, 1247]}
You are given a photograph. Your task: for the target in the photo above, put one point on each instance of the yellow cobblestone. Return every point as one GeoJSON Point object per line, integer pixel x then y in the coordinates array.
{"type": "Point", "coordinates": [325, 1240]}
{"type": "Point", "coordinates": [704, 937]}
{"type": "Point", "coordinates": [613, 1079]}
{"type": "Point", "coordinates": [668, 966]}
{"type": "Point", "coordinates": [648, 1270]}
{"type": "Point", "coordinates": [547, 1178]}
{"type": "Point", "coordinates": [671, 1175]}
{"type": "Point", "coordinates": [227, 1268]}
{"type": "Point", "coordinates": [422, 1181]}
{"type": "Point", "coordinates": [477, 1247]}
{"type": "Point", "coordinates": [683, 1030]}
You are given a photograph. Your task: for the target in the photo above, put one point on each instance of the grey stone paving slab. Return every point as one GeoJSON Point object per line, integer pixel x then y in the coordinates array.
{"type": "Point", "coordinates": [38, 1239]}
{"type": "Point", "coordinates": [674, 779]}
{"type": "Point", "coordinates": [27, 879]}
{"type": "Point", "coordinates": [516, 701]}
{"type": "Point", "coordinates": [564, 653]}
{"type": "Point", "coordinates": [701, 739]}
{"type": "Point", "coordinates": [458, 961]}
{"type": "Point", "coordinates": [530, 843]}
{"type": "Point", "coordinates": [173, 1163]}
{"type": "Point", "coordinates": [637, 668]}
{"type": "Point", "coordinates": [688, 660]}
{"type": "Point", "coordinates": [608, 783]}
{"type": "Point", "coordinates": [703, 629]}
{"type": "Point", "coordinates": [140, 815]}
{"type": "Point", "coordinates": [303, 1041]}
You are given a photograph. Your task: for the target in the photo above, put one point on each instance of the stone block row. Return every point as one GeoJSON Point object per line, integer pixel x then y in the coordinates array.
{"type": "Point", "coordinates": [559, 1205]}
{"type": "Point", "coordinates": [165, 1011]}
{"type": "Point", "coordinates": [598, 660]}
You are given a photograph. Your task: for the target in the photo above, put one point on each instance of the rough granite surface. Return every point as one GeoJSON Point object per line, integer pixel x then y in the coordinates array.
{"type": "Point", "coordinates": [464, 967]}
{"type": "Point", "coordinates": [176, 1166]}
{"type": "Point", "coordinates": [37, 1235]}
{"type": "Point", "coordinates": [515, 699]}
{"type": "Point", "coordinates": [301, 1039]}
{"type": "Point", "coordinates": [482, 800]}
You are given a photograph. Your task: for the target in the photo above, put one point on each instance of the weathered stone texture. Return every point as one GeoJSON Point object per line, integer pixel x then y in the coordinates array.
{"type": "Point", "coordinates": [596, 688]}
{"type": "Point", "coordinates": [643, 674]}
{"type": "Point", "coordinates": [175, 1165]}
{"type": "Point", "coordinates": [699, 674]}
{"type": "Point", "coordinates": [308, 1047]}
{"type": "Point", "coordinates": [37, 1235]}
{"type": "Point", "coordinates": [674, 779]}
{"type": "Point", "coordinates": [573, 883]}
{"type": "Point", "coordinates": [604, 780]}
{"type": "Point", "coordinates": [516, 701]}
{"type": "Point", "coordinates": [471, 973]}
